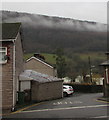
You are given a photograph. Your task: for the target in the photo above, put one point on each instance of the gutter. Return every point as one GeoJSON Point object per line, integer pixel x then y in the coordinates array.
{"type": "Point", "coordinates": [13, 105]}
{"type": "Point", "coordinates": [7, 40]}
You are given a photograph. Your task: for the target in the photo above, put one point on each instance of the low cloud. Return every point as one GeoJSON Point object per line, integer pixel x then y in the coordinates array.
{"type": "Point", "coordinates": [52, 22]}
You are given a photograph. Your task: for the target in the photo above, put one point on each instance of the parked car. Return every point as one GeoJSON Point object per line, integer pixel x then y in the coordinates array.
{"type": "Point", "coordinates": [67, 90]}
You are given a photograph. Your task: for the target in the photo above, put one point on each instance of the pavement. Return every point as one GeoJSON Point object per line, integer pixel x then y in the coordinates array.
{"type": "Point", "coordinates": [20, 107]}
{"type": "Point", "coordinates": [103, 99]}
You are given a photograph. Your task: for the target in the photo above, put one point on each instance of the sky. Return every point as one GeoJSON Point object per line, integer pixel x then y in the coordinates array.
{"type": "Point", "coordinates": [91, 10]}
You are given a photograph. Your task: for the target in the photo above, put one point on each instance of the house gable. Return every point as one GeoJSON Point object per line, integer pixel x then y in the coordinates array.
{"type": "Point", "coordinates": [40, 66]}
{"type": "Point", "coordinates": [42, 62]}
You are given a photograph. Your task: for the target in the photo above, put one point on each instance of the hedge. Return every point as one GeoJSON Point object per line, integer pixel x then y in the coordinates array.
{"type": "Point", "coordinates": [86, 88]}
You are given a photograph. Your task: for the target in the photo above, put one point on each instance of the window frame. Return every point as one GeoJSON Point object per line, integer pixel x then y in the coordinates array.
{"type": "Point", "coordinates": [5, 51]}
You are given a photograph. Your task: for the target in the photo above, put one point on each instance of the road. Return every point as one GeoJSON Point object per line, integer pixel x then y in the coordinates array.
{"type": "Point", "coordinates": [79, 105]}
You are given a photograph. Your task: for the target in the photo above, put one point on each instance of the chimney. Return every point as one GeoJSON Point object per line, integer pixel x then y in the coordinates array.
{"type": "Point", "coordinates": [39, 56]}
{"type": "Point", "coordinates": [107, 54]}
{"type": "Point", "coordinates": [36, 55]}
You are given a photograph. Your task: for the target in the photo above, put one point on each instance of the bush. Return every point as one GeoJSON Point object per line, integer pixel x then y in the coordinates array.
{"type": "Point", "coordinates": [86, 88]}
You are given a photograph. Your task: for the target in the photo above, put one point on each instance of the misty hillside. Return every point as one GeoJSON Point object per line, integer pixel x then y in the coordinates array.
{"type": "Point", "coordinates": [45, 34]}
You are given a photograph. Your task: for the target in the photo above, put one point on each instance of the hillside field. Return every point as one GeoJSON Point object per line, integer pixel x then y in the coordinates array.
{"type": "Point", "coordinates": [50, 58]}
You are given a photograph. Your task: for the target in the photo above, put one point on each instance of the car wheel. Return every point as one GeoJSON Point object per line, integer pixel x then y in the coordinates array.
{"type": "Point", "coordinates": [65, 94]}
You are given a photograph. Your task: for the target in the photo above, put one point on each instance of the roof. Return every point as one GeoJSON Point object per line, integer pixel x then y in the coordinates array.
{"type": "Point", "coordinates": [38, 77]}
{"type": "Point", "coordinates": [106, 63]}
{"type": "Point", "coordinates": [43, 62]}
{"type": "Point", "coordinates": [107, 53]}
{"type": "Point", "coordinates": [10, 30]}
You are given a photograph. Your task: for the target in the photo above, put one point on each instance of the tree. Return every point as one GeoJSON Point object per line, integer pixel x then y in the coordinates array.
{"type": "Point", "coordinates": [71, 69]}
{"type": "Point", "coordinates": [60, 63]}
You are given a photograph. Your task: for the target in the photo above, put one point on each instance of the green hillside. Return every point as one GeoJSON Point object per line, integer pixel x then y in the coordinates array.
{"type": "Point", "coordinates": [76, 64]}
{"type": "Point", "coordinates": [94, 56]}
{"type": "Point", "coordinates": [50, 58]}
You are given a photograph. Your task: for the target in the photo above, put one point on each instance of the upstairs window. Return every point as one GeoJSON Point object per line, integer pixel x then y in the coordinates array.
{"type": "Point", "coordinates": [3, 53]}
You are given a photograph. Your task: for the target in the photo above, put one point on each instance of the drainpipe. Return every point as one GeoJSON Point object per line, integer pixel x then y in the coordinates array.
{"type": "Point", "coordinates": [13, 105]}
{"type": "Point", "coordinates": [106, 75]}
{"type": "Point", "coordinates": [106, 81]}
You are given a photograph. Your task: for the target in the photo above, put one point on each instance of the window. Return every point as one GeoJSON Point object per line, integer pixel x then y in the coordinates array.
{"type": "Point", "coordinates": [3, 53]}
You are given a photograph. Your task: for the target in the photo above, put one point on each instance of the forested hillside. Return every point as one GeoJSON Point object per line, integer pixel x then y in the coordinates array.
{"type": "Point", "coordinates": [46, 34]}
{"type": "Point", "coordinates": [78, 39]}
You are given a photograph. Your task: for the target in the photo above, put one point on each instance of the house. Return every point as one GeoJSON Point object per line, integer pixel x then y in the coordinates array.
{"type": "Point", "coordinates": [38, 64]}
{"type": "Point", "coordinates": [79, 79]}
{"type": "Point", "coordinates": [67, 80]}
{"type": "Point", "coordinates": [11, 61]}
{"type": "Point", "coordinates": [42, 86]}
{"type": "Point", "coordinates": [97, 79]}
{"type": "Point", "coordinates": [106, 78]}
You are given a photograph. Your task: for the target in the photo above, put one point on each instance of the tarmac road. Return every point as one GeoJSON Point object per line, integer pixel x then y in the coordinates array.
{"type": "Point", "coordinates": [79, 105]}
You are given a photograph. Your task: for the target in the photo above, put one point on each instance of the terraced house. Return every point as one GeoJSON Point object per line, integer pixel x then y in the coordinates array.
{"type": "Point", "coordinates": [11, 60]}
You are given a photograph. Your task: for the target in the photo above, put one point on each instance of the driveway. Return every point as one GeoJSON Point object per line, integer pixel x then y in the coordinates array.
{"type": "Point", "coordinates": [79, 105]}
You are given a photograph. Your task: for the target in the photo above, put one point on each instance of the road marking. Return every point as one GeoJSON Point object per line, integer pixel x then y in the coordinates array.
{"type": "Point", "coordinates": [27, 107]}
{"type": "Point", "coordinates": [1, 115]}
{"type": "Point", "coordinates": [69, 108]}
{"type": "Point", "coordinates": [65, 102]}
{"type": "Point", "coordinates": [102, 101]}
{"type": "Point", "coordinates": [54, 103]}
{"type": "Point", "coordinates": [70, 102]}
{"type": "Point", "coordinates": [74, 102]}
{"type": "Point", "coordinates": [59, 103]}
{"type": "Point", "coordinates": [101, 117]}
{"type": "Point", "coordinates": [77, 102]}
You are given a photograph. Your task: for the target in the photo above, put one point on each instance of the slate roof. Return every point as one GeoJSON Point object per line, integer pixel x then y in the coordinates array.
{"type": "Point", "coordinates": [10, 30]}
{"type": "Point", "coordinates": [38, 77]}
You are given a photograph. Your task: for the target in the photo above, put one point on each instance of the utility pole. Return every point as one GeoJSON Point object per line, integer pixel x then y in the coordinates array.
{"type": "Point", "coordinates": [90, 69]}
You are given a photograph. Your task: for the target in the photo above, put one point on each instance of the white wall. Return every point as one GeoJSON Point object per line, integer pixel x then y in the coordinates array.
{"type": "Point", "coordinates": [25, 85]}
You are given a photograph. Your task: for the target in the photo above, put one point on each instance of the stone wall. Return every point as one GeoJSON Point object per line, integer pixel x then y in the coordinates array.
{"type": "Point", "coordinates": [46, 91]}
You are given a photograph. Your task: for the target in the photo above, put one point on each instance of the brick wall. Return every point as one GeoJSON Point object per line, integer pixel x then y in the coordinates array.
{"type": "Point", "coordinates": [7, 78]}
{"type": "Point", "coordinates": [40, 67]}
